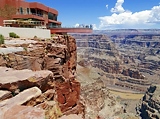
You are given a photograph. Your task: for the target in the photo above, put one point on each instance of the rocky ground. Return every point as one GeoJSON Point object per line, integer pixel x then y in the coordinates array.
{"type": "Point", "coordinates": [37, 79]}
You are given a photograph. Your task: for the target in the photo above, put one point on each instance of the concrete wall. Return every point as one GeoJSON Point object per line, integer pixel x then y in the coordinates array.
{"type": "Point", "coordinates": [25, 32]}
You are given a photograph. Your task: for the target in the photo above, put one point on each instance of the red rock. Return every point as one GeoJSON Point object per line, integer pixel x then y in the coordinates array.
{"type": "Point", "coordinates": [13, 80]}
{"type": "Point", "coordinates": [24, 112]}
{"type": "Point", "coordinates": [68, 94]}
{"type": "Point", "coordinates": [19, 99]}
{"type": "Point", "coordinates": [59, 56]}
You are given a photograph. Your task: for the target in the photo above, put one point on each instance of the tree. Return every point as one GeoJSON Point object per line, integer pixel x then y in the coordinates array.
{"type": "Point", "coordinates": [7, 11]}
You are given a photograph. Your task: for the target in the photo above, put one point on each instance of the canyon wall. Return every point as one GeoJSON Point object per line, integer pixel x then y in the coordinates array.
{"type": "Point", "coordinates": [141, 52]}
{"type": "Point", "coordinates": [99, 51]}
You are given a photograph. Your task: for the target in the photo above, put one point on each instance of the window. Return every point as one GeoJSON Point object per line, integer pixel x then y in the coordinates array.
{"type": "Point", "coordinates": [55, 17]}
{"type": "Point", "coordinates": [28, 11]}
{"type": "Point", "coordinates": [50, 16]}
{"type": "Point", "coordinates": [21, 10]}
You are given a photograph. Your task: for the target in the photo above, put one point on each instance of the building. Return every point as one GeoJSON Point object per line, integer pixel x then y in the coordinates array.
{"type": "Point", "coordinates": [34, 15]}
{"type": "Point", "coordinates": [33, 11]}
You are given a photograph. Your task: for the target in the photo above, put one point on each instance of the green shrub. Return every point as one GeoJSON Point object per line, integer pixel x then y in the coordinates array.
{"type": "Point", "coordinates": [1, 39]}
{"type": "Point", "coordinates": [25, 48]}
{"type": "Point", "coordinates": [52, 35]}
{"type": "Point", "coordinates": [13, 35]}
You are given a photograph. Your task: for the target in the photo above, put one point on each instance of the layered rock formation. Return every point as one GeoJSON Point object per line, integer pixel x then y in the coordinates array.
{"type": "Point", "coordinates": [45, 66]}
{"type": "Point", "coordinates": [149, 107]}
{"type": "Point", "coordinates": [101, 69]}
{"type": "Point", "coordinates": [99, 52]}
{"type": "Point", "coordinates": [141, 52]}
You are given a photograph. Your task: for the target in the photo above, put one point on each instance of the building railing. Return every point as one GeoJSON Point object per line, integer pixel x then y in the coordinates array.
{"type": "Point", "coordinates": [87, 27]}
{"type": "Point", "coordinates": [37, 14]}
{"type": "Point", "coordinates": [24, 23]}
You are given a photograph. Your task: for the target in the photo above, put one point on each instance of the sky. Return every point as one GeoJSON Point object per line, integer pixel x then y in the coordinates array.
{"type": "Point", "coordinates": [107, 14]}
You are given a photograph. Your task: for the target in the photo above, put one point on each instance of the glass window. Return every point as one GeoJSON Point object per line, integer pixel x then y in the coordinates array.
{"type": "Point", "coordinates": [28, 11]}
{"type": "Point", "coordinates": [50, 16]}
{"type": "Point", "coordinates": [21, 10]}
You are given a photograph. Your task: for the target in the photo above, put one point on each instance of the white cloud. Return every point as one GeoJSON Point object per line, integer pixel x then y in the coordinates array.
{"type": "Point", "coordinates": [154, 15]}
{"type": "Point", "coordinates": [118, 7]}
{"type": "Point", "coordinates": [77, 25]}
{"type": "Point", "coordinates": [121, 18]}
{"type": "Point", "coordinates": [107, 6]}
{"type": "Point", "coordinates": [94, 27]}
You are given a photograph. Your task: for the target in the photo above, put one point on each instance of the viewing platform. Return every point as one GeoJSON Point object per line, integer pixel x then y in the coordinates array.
{"type": "Point", "coordinates": [70, 30]}
{"type": "Point", "coordinates": [53, 29]}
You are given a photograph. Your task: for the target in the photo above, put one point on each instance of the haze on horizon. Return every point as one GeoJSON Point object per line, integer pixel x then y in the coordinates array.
{"type": "Point", "coordinates": [108, 14]}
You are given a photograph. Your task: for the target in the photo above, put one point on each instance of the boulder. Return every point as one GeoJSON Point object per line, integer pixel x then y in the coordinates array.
{"type": "Point", "coordinates": [14, 80]}
{"type": "Point", "coordinates": [19, 99]}
{"type": "Point", "coordinates": [24, 112]}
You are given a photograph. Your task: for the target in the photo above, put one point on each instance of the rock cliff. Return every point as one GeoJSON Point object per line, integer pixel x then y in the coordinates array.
{"type": "Point", "coordinates": [39, 73]}
{"type": "Point", "coordinates": [149, 107]}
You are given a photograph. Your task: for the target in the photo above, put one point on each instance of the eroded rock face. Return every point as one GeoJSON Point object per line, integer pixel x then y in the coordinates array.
{"type": "Point", "coordinates": [150, 105]}
{"type": "Point", "coordinates": [49, 65]}
{"type": "Point", "coordinates": [98, 51]}
{"type": "Point", "coordinates": [102, 71]}
{"type": "Point", "coordinates": [141, 51]}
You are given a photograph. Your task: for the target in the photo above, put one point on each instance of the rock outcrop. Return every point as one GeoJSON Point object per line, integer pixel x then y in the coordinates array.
{"type": "Point", "coordinates": [149, 107]}
{"type": "Point", "coordinates": [49, 66]}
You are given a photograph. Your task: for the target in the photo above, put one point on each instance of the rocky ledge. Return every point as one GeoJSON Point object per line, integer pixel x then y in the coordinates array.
{"type": "Point", "coordinates": [37, 79]}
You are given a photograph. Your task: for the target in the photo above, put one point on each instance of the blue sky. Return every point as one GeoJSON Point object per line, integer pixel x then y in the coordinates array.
{"type": "Point", "coordinates": [107, 14]}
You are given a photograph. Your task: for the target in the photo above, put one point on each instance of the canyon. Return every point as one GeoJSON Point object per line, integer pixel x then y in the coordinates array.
{"type": "Point", "coordinates": [126, 63]}
{"type": "Point", "coordinates": [99, 52]}
{"type": "Point", "coordinates": [104, 75]}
